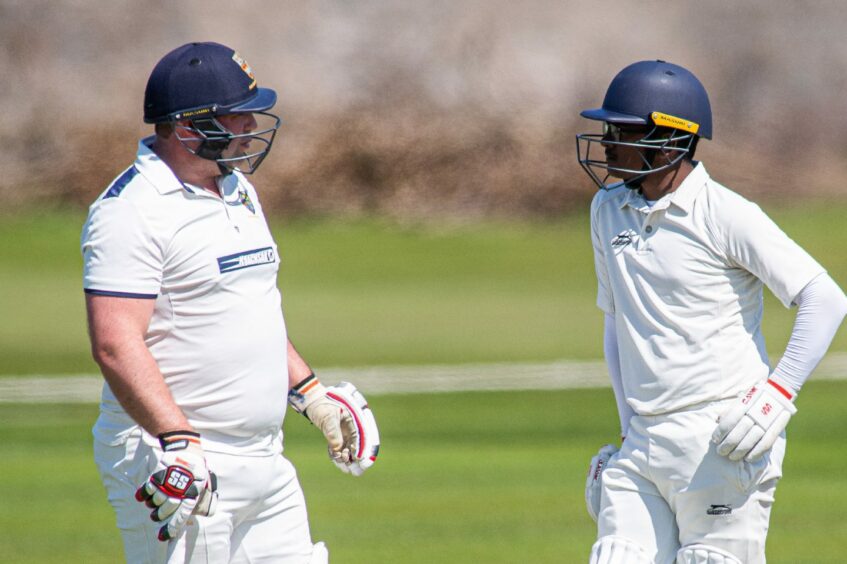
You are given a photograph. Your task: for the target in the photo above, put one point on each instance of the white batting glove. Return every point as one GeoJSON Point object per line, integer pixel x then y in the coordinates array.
{"type": "Point", "coordinates": [334, 419]}
{"type": "Point", "coordinates": [593, 482]}
{"type": "Point", "coordinates": [181, 485]}
{"type": "Point", "coordinates": [750, 427]}
{"type": "Point", "coordinates": [366, 448]}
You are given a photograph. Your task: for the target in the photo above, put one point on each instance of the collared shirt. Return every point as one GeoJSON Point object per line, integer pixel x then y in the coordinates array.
{"type": "Point", "coordinates": [217, 332]}
{"type": "Point", "coordinates": [683, 279]}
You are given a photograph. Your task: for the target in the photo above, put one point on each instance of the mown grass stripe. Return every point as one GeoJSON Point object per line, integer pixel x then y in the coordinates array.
{"type": "Point", "coordinates": [376, 380]}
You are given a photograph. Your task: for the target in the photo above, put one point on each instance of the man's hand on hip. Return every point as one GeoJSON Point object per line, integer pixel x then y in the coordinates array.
{"type": "Point", "coordinates": [751, 425]}
{"type": "Point", "coordinates": [181, 485]}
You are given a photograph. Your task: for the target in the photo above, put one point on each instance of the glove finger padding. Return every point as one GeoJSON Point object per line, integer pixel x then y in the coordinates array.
{"type": "Point", "coordinates": [750, 427]}
{"type": "Point", "coordinates": [736, 436]}
{"type": "Point", "coordinates": [309, 398]}
{"type": "Point", "coordinates": [593, 481]}
{"type": "Point", "coordinates": [179, 483]}
{"type": "Point", "coordinates": [343, 416]}
{"type": "Point", "coordinates": [326, 416]}
{"type": "Point", "coordinates": [208, 501]}
{"type": "Point", "coordinates": [363, 436]}
{"type": "Point", "coordinates": [771, 435]}
{"type": "Point", "coordinates": [729, 420]}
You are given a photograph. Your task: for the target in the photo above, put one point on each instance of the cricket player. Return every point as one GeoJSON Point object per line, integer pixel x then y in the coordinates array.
{"type": "Point", "coordinates": [180, 278]}
{"type": "Point", "coordinates": [681, 262]}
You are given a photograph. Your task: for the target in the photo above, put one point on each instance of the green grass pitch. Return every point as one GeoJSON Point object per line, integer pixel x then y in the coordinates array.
{"type": "Point", "coordinates": [468, 477]}
{"type": "Point", "coordinates": [368, 292]}
{"type": "Point", "coordinates": [487, 477]}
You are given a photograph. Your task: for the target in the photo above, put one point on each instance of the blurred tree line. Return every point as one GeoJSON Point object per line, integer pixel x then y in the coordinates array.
{"type": "Point", "coordinates": [463, 108]}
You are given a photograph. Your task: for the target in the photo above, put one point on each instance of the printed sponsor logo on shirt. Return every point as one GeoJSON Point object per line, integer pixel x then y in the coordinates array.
{"type": "Point", "coordinates": [719, 510]}
{"type": "Point", "coordinates": [246, 259]}
{"type": "Point", "coordinates": [622, 239]}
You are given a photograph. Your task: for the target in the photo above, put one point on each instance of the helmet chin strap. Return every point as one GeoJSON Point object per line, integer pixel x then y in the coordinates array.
{"type": "Point", "coordinates": [212, 148]}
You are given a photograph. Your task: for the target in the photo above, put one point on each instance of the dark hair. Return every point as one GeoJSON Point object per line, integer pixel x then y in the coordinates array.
{"type": "Point", "coordinates": [693, 148]}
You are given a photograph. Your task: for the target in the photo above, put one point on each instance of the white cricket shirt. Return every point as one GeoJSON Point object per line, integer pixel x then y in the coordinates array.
{"type": "Point", "coordinates": [217, 332]}
{"type": "Point", "coordinates": [683, 279]}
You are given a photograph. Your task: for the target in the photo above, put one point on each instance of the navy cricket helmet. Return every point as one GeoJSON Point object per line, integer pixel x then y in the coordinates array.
{"type": "Point", "coordinates": [667, 101]}
{"type": "Point", "coordinates": [199, 82]}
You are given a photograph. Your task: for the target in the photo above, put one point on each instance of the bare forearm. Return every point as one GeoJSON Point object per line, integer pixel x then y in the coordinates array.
{"type": "Point", "coordinates": [137, 383]}
{"type": "Point", "coordinates": [117, 327]}
{"type": "Point", "coordinates": [298, 370]}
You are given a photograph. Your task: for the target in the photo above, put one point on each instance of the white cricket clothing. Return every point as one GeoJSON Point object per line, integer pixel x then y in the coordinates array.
{"type": "Point", "coordinates": [821, 307]}
{"type": "Point", "coordinates": [217, 332]}
{"type": "Point", "coordinates": [668, 488]}
{"type": "Point", "coordinates": [260, 516]}
{"type": "Point", "coordinates": [683, 279]}
{"type": "Point", "coordinates": [613, 363]}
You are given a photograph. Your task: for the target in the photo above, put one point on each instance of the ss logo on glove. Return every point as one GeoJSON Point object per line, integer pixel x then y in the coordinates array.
{"type": "Point", "coordinates": [178, 480]}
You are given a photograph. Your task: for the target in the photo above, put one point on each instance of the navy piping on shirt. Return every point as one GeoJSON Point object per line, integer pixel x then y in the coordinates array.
{"type": "Point", "coordinates": [119, 294]}
{"type": "Point", "coordinates": [118, 185]}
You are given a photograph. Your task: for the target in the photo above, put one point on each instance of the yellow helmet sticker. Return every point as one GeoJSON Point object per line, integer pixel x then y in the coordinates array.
{"type": "Point", "coordinates": [188, 114]}
{"type": "Point", "coordinates": [672, 121]}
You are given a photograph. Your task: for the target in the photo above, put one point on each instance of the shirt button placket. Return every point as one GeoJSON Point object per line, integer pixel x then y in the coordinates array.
{"type": "Point", "coordinates": [646, 230]}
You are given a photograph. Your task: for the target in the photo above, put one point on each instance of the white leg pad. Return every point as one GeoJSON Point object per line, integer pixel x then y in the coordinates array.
{"type": "Point", "coordinates": [320, 555]}
{"type": "Point", "coordinates": [617, 550]}
{"type": "Point", "coordinates": [704, 554]}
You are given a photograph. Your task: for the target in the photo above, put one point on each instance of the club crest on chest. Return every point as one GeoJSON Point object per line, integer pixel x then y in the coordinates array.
{"type": "Point", "coordinates": [244, 199]}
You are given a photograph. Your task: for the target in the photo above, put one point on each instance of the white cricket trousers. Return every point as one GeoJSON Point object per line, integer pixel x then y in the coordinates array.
{"type": "Point", "coordinates": [668, 488]}
{"type": "Point", "coordinates": [260, 517]}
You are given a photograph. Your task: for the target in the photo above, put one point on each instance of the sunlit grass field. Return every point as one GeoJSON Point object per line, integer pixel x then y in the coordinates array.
{"type": "Point", "coordinates": [465, 477]}
{"type": "Point", "coordinates": [370, 292]}
{"type": "Point", "coordinates": [471, 477]}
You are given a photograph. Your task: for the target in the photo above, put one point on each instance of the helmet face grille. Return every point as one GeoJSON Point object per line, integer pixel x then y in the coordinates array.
{"type": "Point", "coordinates": [209, 139]}
{"type": "Point", "coordinates": [657, 149]}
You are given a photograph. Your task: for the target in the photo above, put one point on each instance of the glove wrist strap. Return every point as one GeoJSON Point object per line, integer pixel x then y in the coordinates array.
{"type": "Point", "coordinates": [305, 393]}
{"type": "Point", "coordinates": [783, 390]}
{"type": "Point", "coordinates": [178, 440]}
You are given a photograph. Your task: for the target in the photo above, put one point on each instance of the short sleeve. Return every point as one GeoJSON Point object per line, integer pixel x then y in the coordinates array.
{"type": "Point", "coordinates": [755, 243]}
{"type": "Point", "coordinates": [604, 292]}
{"type": "Point", "coordinates": [120, 255]}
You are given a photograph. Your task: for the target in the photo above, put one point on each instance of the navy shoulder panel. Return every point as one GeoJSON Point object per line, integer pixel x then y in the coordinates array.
{"type": "Point", "coordinates": [121, 182]}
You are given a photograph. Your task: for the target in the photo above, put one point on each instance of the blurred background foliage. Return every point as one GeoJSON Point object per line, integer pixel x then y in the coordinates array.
{"type": "Point", "coordinates": [440, 109]}
{"type": "Point", "coordinates": [429, 210]}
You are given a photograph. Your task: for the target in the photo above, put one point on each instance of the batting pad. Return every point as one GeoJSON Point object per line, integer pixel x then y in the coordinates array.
{"type": "Point", "coordinates": [367, 446]}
